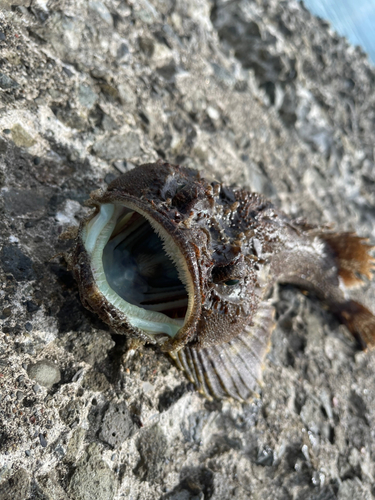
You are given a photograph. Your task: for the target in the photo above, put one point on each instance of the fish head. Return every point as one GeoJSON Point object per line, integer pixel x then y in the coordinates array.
{"type": "Point", "coordinates": [160, 258]}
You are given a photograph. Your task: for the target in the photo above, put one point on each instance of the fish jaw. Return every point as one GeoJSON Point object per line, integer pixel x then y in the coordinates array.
{"type": "Point", "coordinates": [100, 297]}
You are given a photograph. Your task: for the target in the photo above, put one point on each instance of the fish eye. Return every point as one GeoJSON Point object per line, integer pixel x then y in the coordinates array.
{"type": "Point", "coordinates": [231, 282]}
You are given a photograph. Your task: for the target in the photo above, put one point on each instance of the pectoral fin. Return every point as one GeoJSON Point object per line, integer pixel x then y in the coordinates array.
{"type": "Point", "coordinates": [232, 369]}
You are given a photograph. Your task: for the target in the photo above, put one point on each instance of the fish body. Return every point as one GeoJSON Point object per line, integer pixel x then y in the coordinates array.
{"type": "Point", "coordinates": [171, 258]}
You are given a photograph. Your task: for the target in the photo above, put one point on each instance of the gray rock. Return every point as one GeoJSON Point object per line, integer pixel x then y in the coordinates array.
{"type": "Point", "coordinates": [95, 381]}
{"type": "Point", "coordinates": [127, 94]}
{"type": "Point", "coordinates": [71, 413]}
{"type": "Point", "coordinates": [48, 488]}
{"type": "Point", "coordinates": [43, 441]}
{"type": "Point", "coordinates": [87, 97]}
{"type": "Point", "coordinates": [6, 82]}
{"type": "Point", "coordinates": [44, 372]}
{"type": "Point", "coordinates": [117, 425]}
{"type": "Point", "coordinates": [21, 137]}
{"type": "Point", "coordinates": [152, 447]}
{"type": "Point", "coordinates": [92, 478]}
{"type": "Point", "coordinates": [16, 487]}
{"type": "Point", "coordinates": [14, 261]}
{"type": "Point", "coordinates": [102, 10]}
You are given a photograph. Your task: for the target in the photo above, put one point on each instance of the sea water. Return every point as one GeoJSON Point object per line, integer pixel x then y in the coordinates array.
{"type": "Point", "coordinates": [354, 19]}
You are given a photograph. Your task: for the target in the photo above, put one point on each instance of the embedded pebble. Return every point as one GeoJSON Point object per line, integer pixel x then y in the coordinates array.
{"type": "Point", "coordinates": [42, 440]}
{"type": "Point", "coordinates": [45, 373]}
{"type": "Point", "coordinates": [6, 82]}
{"type": "Point", "coordinates": [117, 425]}
{"type": "Point", "coordinates": [92, 479]}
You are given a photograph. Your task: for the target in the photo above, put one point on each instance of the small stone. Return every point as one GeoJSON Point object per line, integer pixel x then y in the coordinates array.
{"type": "Point", "coordinates": [147, 46]}
{"type": "Point", "coordinates": [110, 91]}
{"type": "Point", "coordinates": [95, 381]}
{"type": "Point", "coordinates": [59, 450]}
{"type": "Point", "coordinates": [6, 82]}
{"type": "Point", "coordinates": [122, 51]}
{"type": "Point", "coordinates": [265, 457]}
{"type": "Point", "coordinates": [117, 425]}
{"type": "Point", "coordinates": [71, 413]}
{"type": "Point", "coordinates": [87, 97]}
{"type": "Point", "coordinates": [2, 36]}
{"type": "Point", "coordinates": [213, 113]}
{"type": "Point", "coordinates": [28, 326]}
{"type": "Point", "coordinates": [121, 166]}
{"type": "Point", "coordinates": [45, 373]}
{"type": "Point", "coordinates": [7, 131]}
{"type": "Point", "coordinates": [43, 441]}
{"type": "Point", "coordinates": [147, 387]}
{"type": "Point", "coordinates": [108, 123]}
{"type": "Point", "coordinates": [36, 388]}
{"type": "Point", "coordinates": [28, 453]}
{"type": "Point", "coordinates": [19, 395]}
{"type": "Point", "coordinates": [20, 137]}
{"type": "Point", "coordinates": [31, 306]}
{"type": "Point", "coordinates": [127, 96]}
{"type": "Point", "coordinates": [102, 10]}
{"type": "Point", "coordinates": [67, 71]}
{"type": "Point", "coordinates": [7, 312]}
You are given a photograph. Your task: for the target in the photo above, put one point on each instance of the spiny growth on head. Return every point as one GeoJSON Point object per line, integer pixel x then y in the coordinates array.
{"type": "Point", "coordinates": [176, 260]}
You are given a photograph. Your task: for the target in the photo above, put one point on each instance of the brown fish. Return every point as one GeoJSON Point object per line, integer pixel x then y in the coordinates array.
{"type": "Point", "coordinates": [172, 259]}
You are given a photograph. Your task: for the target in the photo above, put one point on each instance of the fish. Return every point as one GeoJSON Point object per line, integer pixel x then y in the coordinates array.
{"type": "Point", "coordinates": [170, 258]}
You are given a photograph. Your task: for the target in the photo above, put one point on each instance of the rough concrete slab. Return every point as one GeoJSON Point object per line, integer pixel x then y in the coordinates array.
{"type": "Point", "coordinates": [253, 92]}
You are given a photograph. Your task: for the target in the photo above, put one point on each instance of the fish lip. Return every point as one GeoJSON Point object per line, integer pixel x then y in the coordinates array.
{"type": "Point", "coordinates": [97, 198]}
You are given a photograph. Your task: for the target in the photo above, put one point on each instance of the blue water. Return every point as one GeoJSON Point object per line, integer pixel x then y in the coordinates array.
{"type": "Point", "coordinates": [354, 19]}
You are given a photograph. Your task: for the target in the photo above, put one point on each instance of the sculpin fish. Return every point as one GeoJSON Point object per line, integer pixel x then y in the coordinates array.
{"type": "Point", "coordinates": [173, 259]}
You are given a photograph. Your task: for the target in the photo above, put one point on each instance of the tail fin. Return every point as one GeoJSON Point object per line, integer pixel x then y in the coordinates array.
{"type": "Point", "coordinates": [352, 256]}
{"type": "Point", "coordinates": [360, 322]}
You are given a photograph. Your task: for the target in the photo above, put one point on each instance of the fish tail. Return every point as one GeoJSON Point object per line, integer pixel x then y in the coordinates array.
{"type": "Point", "coordinates": [360, 322]}
{"type": "Point", "coordinates": [351, 254]}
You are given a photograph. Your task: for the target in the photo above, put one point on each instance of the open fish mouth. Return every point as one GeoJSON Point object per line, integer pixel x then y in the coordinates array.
{"type": "Point", "coordinates": [139, 268]}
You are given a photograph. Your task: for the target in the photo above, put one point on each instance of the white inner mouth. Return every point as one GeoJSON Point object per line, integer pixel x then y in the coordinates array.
{"type": "Point", "coordinates": [139, 268]}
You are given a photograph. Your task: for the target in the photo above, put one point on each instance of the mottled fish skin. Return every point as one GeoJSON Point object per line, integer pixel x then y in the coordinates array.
{"type": "Point", "coordinates": [236, 246]}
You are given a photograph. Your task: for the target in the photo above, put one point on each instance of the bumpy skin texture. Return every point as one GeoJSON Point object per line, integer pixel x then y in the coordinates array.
{"type": "Point", "coordinates": [236, 245]}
